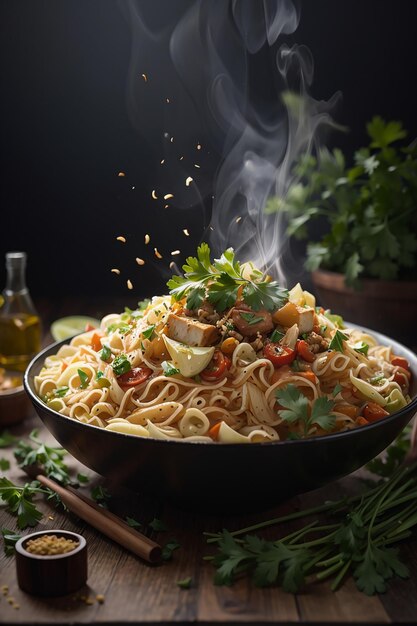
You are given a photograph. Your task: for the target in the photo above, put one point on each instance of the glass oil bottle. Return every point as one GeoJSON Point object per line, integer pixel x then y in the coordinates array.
{"type": "Point", "coordinates": [20, 325]}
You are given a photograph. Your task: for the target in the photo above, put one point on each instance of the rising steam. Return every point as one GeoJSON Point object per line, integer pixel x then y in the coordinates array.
{"type": "Point", "coordinates": [204, 59]}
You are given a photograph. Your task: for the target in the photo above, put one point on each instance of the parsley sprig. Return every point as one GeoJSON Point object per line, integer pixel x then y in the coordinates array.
{"type": "Point", "coordinates": [222, 281]}
{"type": "Point", "coordinates": [297, 410]}
{"type": "Point", "coordinates": [355, 538]}
{"type": "Point", "coordinates": [19, 501]}
{"type": "Point", "coordinates": [49, 458]}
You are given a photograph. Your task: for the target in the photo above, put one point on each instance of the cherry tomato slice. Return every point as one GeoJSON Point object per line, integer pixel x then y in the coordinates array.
{"type": "Point", "coordinates": [402, 379]}
{"type": "Point", "coordinates": [279, 355]}
{"type": "Point", "coordinates": [89, 327]}
{"type": "Point", "coordinates": [401, 361]}
{"type": "Point", "coordinates": [304, 351]}
{"type": "Point", "coordinates": [217, 367]}
{"type": "Point", "coordinates": [373, 412]}
{"type": "Point", "coordinates": [134, 377]}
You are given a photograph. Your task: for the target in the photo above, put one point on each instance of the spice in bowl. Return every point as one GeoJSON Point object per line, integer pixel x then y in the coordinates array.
{"type": "Point", "coordinates": [50, 544]}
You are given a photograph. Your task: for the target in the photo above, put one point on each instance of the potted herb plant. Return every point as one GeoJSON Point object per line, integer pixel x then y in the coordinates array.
{"type": "Point", "coordinates": [361, 225]}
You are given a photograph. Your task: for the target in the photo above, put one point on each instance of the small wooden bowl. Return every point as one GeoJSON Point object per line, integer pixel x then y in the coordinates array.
{"type": "Point", "coordinates": [55, 574]}
{"type": "Point", "coordinates": [15, 405]}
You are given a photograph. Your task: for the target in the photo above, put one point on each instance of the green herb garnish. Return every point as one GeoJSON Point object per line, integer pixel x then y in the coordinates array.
{"type": "Point", "coordinates": [47, 457]}
{"type": "Point", "coordinates": [220, 281]}
{"type": "Point", "coordinates": [276, 336]}
{"type": "Point", "coordinates": [105, 353]}
{"type": "Point", "coordinates": [19, 501]}
{"type": "Point", "coordinates": [251, 318]}
{"type": "Point", "coordinates": [297, 409]}
{"type": "Point", "coordinates": [83, 378]}
{"type": "Point", "coordinates": [60, 392]}
{"type": "Point", "coordinates": [338, 388]}
{"type": "Point", "coordinates": [148, 332]}
{"type": "Point", "coordinates": [361, 346]}
{"type": "Point", "coordinates": [101, 495]}
{"type": "Point", "coordinates": [169, 369]}
{"type": "Point", "coordinates": [4, 464]}
{"type": "Point", "coordinates": [337, 341]}
{"type": "Point", "coordinates": [7, 439]}
{"type": "Point", "coordinates": [133, 523]}
{"type": "Point", "coordinates": [185, 583]}
{"type": "Point", "coordinates": [10, 538]}
{"type": "Point", "coordinates": [157, 525]}
{"type": "Point", "coordinates": [121, 365]}
{"type": "Point", "coordinates": [168, 549]}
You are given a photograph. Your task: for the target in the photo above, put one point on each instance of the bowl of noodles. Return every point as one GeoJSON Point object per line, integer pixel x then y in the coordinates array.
{"type": "Point", "coordinates": [228, 392]}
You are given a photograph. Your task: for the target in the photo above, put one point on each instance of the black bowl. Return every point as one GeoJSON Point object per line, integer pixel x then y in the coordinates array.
{"type": "Point", "coordinates": [227, 477]}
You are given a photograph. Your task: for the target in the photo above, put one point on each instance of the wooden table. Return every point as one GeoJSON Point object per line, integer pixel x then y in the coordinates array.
{"type": "Point", "coordinates": [138, 593]}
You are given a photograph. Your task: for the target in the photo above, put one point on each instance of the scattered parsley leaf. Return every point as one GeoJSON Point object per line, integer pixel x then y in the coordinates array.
{"type": "Point", "coordinates": [168, 549]}
{"type": "Point", "coordinates": [10, 538]}
{"type": "Point", "coordinates": [185, 583]}
{"type": "Point", "coordinates": [157, 525]}
{"type": "Point", "coordinates": [361, 346]}
{"type": "Point", "coordinates": [148, 332]}
{"type": "Point", "coordinates": [60, 392]}
{"type": "Point", "coordinates": [101, 495]}
{"type": "Point", "coordinates": [321, 413]}
{"type": "Point", "coordinates": [82, 478]}
{"type": "Point", "coordinates": [337, 341]}
{"type": "Point", "coordinates": [99, 375]}
{"type": "Point", "coordinates": [83, 378]}
{"type": "Point", "coordinates": [19, 501]}
{"type": "Point", "coordinates": [338, 388]}
{"type": "Point", "coordinates": [121, 365]}
{"type": "Point", "coordinates": [105, 353]}
{"type": "Point", "coordinates": [297, 409]}
{"type": "Point", "coordinates": [276, 336]}
{"type": "Point", "coordinates": [4, 464]}
{"type": "Point", "coordinates": [133, 523]}
{"type": "Point", "coordinates": [251, 318]}
{"type": "Point", "coordinates": [47, 457]}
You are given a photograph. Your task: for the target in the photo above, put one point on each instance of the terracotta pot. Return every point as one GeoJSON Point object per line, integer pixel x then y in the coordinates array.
{"type": "Point", "coordinates": [386, 306]}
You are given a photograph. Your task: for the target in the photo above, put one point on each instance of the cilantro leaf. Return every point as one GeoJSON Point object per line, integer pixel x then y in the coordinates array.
{"type": "Point", "coordinates": [4, 464]}
{"type": "Point", "coordinates": [264, 295]}
{"type": "Point", "coordinates": [168, 549]}
{"type": "Point", "coordinates": [251, 318]}
{"type": "Point", "coordinates": [157, 525]}
{"type": "Point", "coordinates": [105, 353]}
{"type": "Point", "coordinates": [7, 439]}
{"type": "Point", "coordinates": [361, 346]}
{"type": "Point", "coordinates": [47, 457]}
{"type": "Point", "coordinates": [169, 369]}
{"type": "Point", "coordinates": [83, 378]}
{"type": "Point", "coordinates": [101, 495]}
{"type": "Point", "coordinates": [337, 341]}
{"type": "Point", "coordinates": [121, 365]}
{"type": "Point", "coordinates": [383, 134]}
{"type": "Point", "coordinates": [19, 500]}
{"type": "Point", "coordinates": [295, 403]}
{"type": "Point", "coordinates": [185, 583]}
{"type": "Point", "coordinates": [10, 538]}
{"type": "Point", "coordinates": [148, 332]}
{"type": "Point", "coordinates": [321, 413]}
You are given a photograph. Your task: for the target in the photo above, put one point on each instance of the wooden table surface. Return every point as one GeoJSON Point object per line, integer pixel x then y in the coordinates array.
{"type": "Point", "coordinates": [138, 593]}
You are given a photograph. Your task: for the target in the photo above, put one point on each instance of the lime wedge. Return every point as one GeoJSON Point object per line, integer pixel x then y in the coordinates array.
{"type": "Point", "coordinates": [67, 327]}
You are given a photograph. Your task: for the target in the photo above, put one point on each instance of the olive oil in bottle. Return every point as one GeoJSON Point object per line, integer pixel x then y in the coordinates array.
{"type": "Point", "coordinates": [20, 326]}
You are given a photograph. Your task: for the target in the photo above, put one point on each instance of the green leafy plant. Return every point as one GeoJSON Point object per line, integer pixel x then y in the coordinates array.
{"type": "Point", "coordinates": [368, 211]}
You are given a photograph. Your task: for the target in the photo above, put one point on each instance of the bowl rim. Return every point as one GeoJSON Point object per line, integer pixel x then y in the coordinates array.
{"type": "Point", "coordinates": [20, 544]}
{"type": "Point", "coordinates": [381, 338]}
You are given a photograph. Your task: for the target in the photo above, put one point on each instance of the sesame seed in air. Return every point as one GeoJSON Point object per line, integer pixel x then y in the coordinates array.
{"type": "Point", "coordinates": [167, 196]}
{"type": "Point", "coordinates": [166, 206]}
{"type": "Point", "coordinates": [197, 166]}
{"type": "Point", "coordinates": [157, 253]}
{"type": "Point", "coordinates": [175, 252]}
{"type": "Point", "coordinates": [162, 161]}
{"type": "Point", "coordinates": [167, 99]}
{"type": "Point", "coordinates": [115, 270]}
{"type": "Point", "coordinates": [188, 181]}
{"type": "Point", "coordinates": [121, 174]}
{"type": "Point", "coordinates": [153, 194]}
{"type": "Point", "coordinates": [181, 158]}
{"type": "Point", "coordinates": [198, 146]}
{"type": "Point", "coordinates": [185, 231]}
{"type": "Point", "coordinates": [147, 239]}
{"type": "Point", "coordinates": [211, 227]}
{"type": "Point", "coordinates": [140, 261]}
{"type": "Point", "coordinates": [121, 238]}
{"type": "Point", "coordinates": [172, 140]}
{"type": "Point", "coordinates": [172, 265]}
{"type": "Point", "coordinates": [145, 78]}
{"type": "Point", "coordinates": [129, 284]}
{"type": "Point", "coordinates": [238, 219]}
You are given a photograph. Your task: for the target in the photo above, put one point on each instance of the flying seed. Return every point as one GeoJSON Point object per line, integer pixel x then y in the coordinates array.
{"type": "Point", "coordinates": [133, 187]}
{"type": "Point", "coordinates": [122, 239]}
{"type": "Point", "coordinates": [172, 140]}
{"type": "Point", "coordinates": [129, 284]}
{"type": "Point", "coordinates": [188, 181]}
{"type": "Point", "coordinates": [197, 166]}
{"type": "Point", "coordinates": [167, 196]}
{"type": "Point", "coordinates": [51, 517]}
{"type": "Point", "coordinates": [100, 598]}
{"type": "Point", "coordinates": [145, 78]}
{"type": "Point", "coordinates": [181, 158]}
{"type": "Point", "coordinates": [166, 206]}
{"type": "Point", "coordinates": [211, 227]}
{"type": "Point", "coordinates": [157, 253]}
{"type": "Point", "coordinates": [121, 174]}
{"type": "Point", "coordinates": [115, 270]}
{"type": "Point", "coordinates": [153, 194]}
{"type": "Point", "coordinates": [174, 252]}
{"type": "Point", "coordinates": [238, 219]}
{"type": "Point", "coordinates": [185, 231]}
{"type": "Point", "coordinates": [147, 239]}
{"type": "Point", "coordinates": [163, 161]}
{"type": "Point", "coordinates": [140, 261]}
{"type": "Point", "coordinates": [167, 100]}
{"type": "Point", "coordinates": [198, 146]}
{"type": "Point", "coordinates": [172, 265]}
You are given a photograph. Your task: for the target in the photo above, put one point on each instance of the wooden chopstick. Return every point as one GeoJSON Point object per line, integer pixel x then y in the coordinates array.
{"type": "Point", "coordinates": [105, 521]}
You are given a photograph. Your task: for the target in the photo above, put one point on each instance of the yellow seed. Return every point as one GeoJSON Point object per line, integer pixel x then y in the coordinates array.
{"type": "Point", "coordinates": [122, 239]}
{"type": "Point", "coordinates": [185, 231]}
{"type": "Point", "coordinates": [100, 598]}
{"type": "Point", "coordinates": [140, 261]}
{"type": "Point", "coordinates": [166, 206]}
{"type": "Point", "coordinates": [5, 588]}
{"type": "Point", "coordinates": [167, 196]}
{"type": "Point", "coordinates": [188, 181]}
{"type": "Point", "coordinates": [10, 600]}
{"type": "Point", "coordinates": [115, 270]}
{"type": "Point", "coordinates": [51, 517]}
{"type": "Point", "coordinates": [129, 284]}
{"type": "Point", "coordinates": [238, 219]}
{"type": "Point", "coordinates": [153, 194]}
{"type": "Point", "coordinates": [16, 606]}
{"type": "Point", "coordinates": [157, 254]}
{"type": "Point", "coordinates": [145, 78]}
{"type": "Point", "coordinates": [89, 601]}
{"type": "Point", "coordinates": [229, 345]}
{"type": "Point", "coordinates": [147, 239]}
{"type": "Point", "coordinates": [175, 252]}
{"type": "Point", "coordinates": [121, 174]}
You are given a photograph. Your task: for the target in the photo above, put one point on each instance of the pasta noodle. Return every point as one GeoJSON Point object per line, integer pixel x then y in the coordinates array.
{"type": "Point", "coordinates": [258, 387]}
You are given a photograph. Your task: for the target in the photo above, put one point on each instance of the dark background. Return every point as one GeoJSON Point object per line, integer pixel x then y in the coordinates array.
{"type": "Point", "coordinates": [66, 133]}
